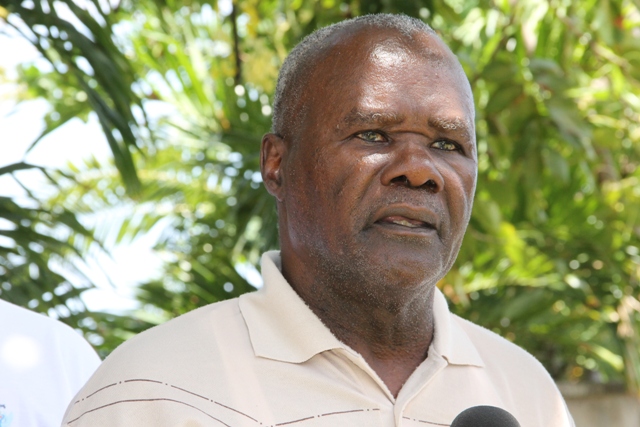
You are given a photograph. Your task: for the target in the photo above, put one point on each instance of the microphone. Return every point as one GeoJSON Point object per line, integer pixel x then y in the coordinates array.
{"type": "Point", "coordinates": [485, 416]}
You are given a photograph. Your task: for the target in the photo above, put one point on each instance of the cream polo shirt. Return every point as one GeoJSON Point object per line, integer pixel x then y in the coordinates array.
{"type": "Point", "coordinates": [265, 359]}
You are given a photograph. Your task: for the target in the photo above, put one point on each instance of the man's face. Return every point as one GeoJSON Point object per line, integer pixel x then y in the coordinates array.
{"type": "Point", "coordinates": [379, 178]}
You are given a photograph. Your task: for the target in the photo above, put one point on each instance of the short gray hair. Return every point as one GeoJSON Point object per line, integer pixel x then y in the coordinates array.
{"type": "Point", "coordinates": [302, 59]}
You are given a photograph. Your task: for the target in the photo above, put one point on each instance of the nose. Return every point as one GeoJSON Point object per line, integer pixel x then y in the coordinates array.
{"type": "Point", "coordinates": [413, 166]}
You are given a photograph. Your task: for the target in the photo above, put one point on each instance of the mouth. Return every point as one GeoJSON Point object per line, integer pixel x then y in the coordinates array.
{"type": "Point", "coordinates": [408, 220]}
{"type": "Point", "coordinates": [405, 222]}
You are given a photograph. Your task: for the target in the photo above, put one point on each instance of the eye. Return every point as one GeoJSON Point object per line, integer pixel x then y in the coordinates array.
{"type": "Point", "coordinates": [371, 136]}
{"type": "Point", "coordinates": [446, 145]}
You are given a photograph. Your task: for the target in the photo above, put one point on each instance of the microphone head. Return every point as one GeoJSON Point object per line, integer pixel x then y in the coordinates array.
{"type": "Point", "coordinates": [485, 416]}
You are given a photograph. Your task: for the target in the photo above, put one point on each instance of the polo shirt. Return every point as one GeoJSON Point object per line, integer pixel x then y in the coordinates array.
{"type": "Point", "coordinates": [265, 359]}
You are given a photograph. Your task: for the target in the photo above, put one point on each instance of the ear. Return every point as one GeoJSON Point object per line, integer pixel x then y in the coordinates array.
{"type": "Point", "coordinates": [272, 153]}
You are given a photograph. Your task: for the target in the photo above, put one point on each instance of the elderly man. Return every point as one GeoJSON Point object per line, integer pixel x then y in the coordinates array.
{"type": "Point", "coordinates": [372, 161]}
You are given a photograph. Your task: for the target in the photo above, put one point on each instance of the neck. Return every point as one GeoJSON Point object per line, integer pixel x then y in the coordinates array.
{"type": "Point", "coordinates": [389, 324]}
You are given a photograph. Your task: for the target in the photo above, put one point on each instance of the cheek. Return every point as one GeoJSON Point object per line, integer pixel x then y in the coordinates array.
{"type": "Point", "coordinates": [353, 176]}
{"type": "Point", "coordinates": [373, 160]}
{"type": "Point", "coordinates": [468, 182]}
{"type": "Point", "coordinates": [461, 185]}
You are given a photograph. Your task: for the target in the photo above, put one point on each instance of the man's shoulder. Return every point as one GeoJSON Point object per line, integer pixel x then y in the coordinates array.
{"type": "Point", "coordinates": [182, 332]}
{"type": "Point", "coordinates": [492, 346]}
{"type": "Point", "coordinates": [502, 356]}
{"type": "Point", "coordinates": [172, 347]}
{"type": "Point", "coordinates": [175, 354]}
{"type": "Point", "coordinates": [519, 378]}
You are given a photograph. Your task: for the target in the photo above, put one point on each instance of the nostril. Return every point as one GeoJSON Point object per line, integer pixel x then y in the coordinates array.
{"type": "Point", "coordinates": [431, 185]}
{"type": "Point", "coordinates": [402, 179]}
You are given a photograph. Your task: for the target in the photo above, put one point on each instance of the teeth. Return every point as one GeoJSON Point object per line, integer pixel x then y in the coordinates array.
{"type": "Point", "coordinates": [405, 223]}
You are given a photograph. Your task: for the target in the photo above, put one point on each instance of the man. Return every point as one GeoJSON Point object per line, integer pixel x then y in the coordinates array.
{"type": "Point", "coordinates": [43, 364]}
{"type": "Point", "coordinates": [372, 161]}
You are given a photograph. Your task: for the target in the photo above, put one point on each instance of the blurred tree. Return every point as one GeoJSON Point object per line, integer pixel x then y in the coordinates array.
{"type": "Point", "coordinates": [33, 238]}
{"type": "Point", "coordinates": [551, 259]}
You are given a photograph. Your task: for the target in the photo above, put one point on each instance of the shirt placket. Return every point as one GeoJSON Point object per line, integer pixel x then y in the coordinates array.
{"type": "Point", "coordinates": [420, 379]}
{"type": "Point", "coordinates": [380, 394]}
{"type": "Point", "coordinates": [411, 389]}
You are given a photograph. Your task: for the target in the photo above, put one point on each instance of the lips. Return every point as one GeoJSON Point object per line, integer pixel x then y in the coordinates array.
{"type": "Point", "coordinates": [405, 222]}
{"type": "Point", "coordinates": [407, 218]}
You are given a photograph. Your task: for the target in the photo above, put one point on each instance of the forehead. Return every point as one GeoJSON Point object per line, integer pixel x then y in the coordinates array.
{"type": "Point", "coordinates": [385, 73]}
{"type": "Point", "coordinates": [359, 48]}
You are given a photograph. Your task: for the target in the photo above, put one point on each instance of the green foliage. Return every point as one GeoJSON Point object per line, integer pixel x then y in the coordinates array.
{"type": "Point", "coordinates": [41, 245]}
{"type": "Point", "coordinates": [89, 74]}
{"type": "Point", "coordinates": [551, 259]}
{"type": "Point", "coordinates": [30, 239]}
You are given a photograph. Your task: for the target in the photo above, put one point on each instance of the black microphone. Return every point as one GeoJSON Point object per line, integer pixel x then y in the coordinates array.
{"type": "Point", "coordinates": [485, 416]}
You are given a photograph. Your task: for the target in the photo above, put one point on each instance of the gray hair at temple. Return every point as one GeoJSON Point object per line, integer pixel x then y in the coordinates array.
{"type": "Point", "coordinates": [292, 77]}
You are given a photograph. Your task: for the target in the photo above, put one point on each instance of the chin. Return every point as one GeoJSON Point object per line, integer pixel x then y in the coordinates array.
{"type": "Point", "coordinates": [383, 277]}
{"type": "Point", "coordinates": [410, 260]}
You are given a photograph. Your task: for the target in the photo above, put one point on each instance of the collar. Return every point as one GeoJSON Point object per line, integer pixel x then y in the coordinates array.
{"type": "Point", "coordinates": [450, 339]}
{"type": "Point", "coordinates": [282, 327]}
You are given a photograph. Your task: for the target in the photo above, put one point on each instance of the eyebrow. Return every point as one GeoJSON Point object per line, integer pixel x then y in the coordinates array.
{"type": "Point", "coordinates": [455, 124]}
{"type": "Point", "coordinates": [385, 118]}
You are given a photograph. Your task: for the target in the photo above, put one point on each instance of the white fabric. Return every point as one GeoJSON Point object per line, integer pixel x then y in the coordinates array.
{"type": "Point", "coordinates": [265, 359]}
{"type": "Point", "coordinates": [43, 363]}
